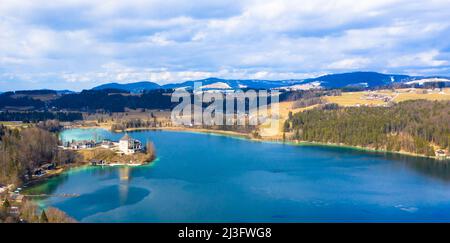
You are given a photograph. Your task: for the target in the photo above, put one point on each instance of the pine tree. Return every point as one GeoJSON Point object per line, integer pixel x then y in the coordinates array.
{"type": "Point", "coordinates": [43, 218]}
{"type": "Point", "coordinates": [6, 203]}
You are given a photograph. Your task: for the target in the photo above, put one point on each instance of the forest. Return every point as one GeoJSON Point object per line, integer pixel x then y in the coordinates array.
{"type": "Point", "coordinates": [417, 126]}
{"type": "Point", "coordinates": [134, 123]}
{"type": "Point", "coordinates": [22, 151]}
{"type": "Point", "coordinates": [9, 100]}
{"type": "Point", "coordinates": [113, 100]}
{"type": "Point", "coordinates": [107, 100]}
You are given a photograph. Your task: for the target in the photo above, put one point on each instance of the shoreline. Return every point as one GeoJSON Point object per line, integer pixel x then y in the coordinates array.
{"type": "Point", "coordinates": [56, 172]}
{"type": "Point", "coordinates": [82, 165]}
{"type": "Point", "coordinates": [249, 138]}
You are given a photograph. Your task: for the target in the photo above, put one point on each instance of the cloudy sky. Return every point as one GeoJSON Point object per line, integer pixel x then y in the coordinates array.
{"type": "Point", "coordinates": [76, 44]}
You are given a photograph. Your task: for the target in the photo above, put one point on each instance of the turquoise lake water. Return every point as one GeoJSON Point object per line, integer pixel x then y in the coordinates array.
{"type": "Point", "coordinates": [210, 178]}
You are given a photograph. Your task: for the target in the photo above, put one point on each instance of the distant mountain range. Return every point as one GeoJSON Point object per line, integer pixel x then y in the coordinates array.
{"type": "Point", "coordinates": [114, 97]}
{"type": "Point", "coordinates": [209, 83]}
{"type": "Point", "coordinates": [132, 87]}
{"type": "Point", "coordinates": [360, 79]}
{"type": "Point", "coordinates": [354, 79]}
{"type": "Point", "coordinates": [366, 79]}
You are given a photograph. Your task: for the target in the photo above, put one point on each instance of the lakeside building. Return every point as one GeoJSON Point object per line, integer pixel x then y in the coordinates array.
{"type": "Point", "coordinates": [107, 144]}
{"type": "Point", "coordinates": [441, 154]}
{"type": "Point", "coordinates": [3, 188]}
{"type": "Point", "coordinates": [97, 162]}
{"type": "Point", "coordinates": [129, 145]}
{"type": "Point", "coordinates": [43, 169]}
{"type": "Point", "coordinates": [126, 145]}
{"type": "Point", "coordinates": [75, 145]}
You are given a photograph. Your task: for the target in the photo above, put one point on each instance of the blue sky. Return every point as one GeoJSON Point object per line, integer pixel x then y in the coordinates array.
{"type": "Point", "coordinates": [77, 44]}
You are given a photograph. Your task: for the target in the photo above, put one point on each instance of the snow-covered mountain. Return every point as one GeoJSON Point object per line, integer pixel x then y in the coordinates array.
{"type": "Point", "coordinates": [360, 79]}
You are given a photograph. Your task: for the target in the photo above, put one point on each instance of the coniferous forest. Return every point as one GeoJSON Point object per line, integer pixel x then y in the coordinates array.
{"type": "Point", "coordinates": [417, 126]}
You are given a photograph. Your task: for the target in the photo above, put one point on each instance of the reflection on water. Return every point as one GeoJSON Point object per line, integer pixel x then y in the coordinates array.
{"type": "Point", "coordinates": [124, 175]}
{"type": "Point", "coordinates": [50, 186]}
{"type": "Point", "coordinates": [47, 187]}
{"type": "Point", "coordinates": [102, 200]}
{"type": "Point", "coordinates": [439, 169]}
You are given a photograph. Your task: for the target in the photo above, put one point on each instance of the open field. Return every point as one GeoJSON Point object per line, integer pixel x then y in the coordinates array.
{"type": "Point", "coordinates": [353, 99]}
{"type": "Point", "coordinates": [143, 114]}
{"type": "Point", "coordinates": [14, 125]}
{"type": "Point", "coordinates": [382, 97]}
{"type": "Point", "coordinates": [365, 98]}
{"type": "Point", "coordinates": [414, 95]}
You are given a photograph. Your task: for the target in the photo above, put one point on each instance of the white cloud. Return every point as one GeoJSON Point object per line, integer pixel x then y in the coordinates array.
{"type": "Point", "coordinates": [427, 59]}
{"type": "Point", "coordinates": [350, 63]}
{"type": "Point", "coordinates": [49, 42]}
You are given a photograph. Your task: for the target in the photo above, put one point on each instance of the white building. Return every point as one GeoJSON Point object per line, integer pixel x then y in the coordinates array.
{"type": "Point", "coordinates": [107, 144]}
{"type": "Point", "coordinates": [3, 188]}
{"type": "Point", "coordinates": [128, 145]}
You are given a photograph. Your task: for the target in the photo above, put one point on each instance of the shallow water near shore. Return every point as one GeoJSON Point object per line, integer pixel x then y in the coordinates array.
{"type": "Point", "coordinates": [208, 178]}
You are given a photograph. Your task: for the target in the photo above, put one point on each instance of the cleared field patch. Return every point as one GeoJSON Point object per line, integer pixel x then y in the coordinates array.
{"type": "Point", "coordinates": [444, 95]}
{"type": "Point", "coordinates": [286, 107]}
{"type": "Point", "coordinates": [354, 99]}
{"type": "Point", "coordinates": [14, 125]}
{"type": "Point", "coordinates": [366, 98]}
{"type": "Point", "coordinates": [276, 132]}
{"type": "Point", "coordinates": [10, 123]}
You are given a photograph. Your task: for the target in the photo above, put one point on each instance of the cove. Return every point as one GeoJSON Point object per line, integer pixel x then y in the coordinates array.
{"type": "Point", "coordinates": [210, 178]}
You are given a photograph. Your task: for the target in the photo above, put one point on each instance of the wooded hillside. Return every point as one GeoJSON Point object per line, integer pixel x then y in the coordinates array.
{"type": "Point", "coordinates": [412, 126]}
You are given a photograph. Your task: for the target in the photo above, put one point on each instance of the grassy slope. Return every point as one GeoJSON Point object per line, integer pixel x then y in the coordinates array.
{"type": "Point", "coordinates": [357, 98]}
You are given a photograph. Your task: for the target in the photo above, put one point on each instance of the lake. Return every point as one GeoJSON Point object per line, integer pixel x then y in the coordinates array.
{"type": "Point", "coordinates": [211, 178]}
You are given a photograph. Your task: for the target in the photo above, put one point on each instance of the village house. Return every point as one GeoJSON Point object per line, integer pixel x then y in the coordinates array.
{"type": "Point", "coordinates": [14, 210]}
{"type": "Point", "coordinates": [97, 162]}
{"type": "Point", "coordinates": [375, 96]}
{"type": "Point", "coordinates": [107, 144]}
{"type": "Point", "coordinates": [82, 144]}
{"type": "Point", "coordinates": [128, 145]}
{"type": "Point", "coordinates": [3, 188]}
{"type": "Point", "coordinates": [440, 154]}
{"type": "Point", "coordinates": [43, 169]}
{"type": "Point", "coordinates": [16, 197]}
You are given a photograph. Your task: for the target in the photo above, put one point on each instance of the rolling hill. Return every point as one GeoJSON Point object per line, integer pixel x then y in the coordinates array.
{"type": "Point", "coordinates": [137, 87]}
{"type": "Point", "coordinates": [364, 79]}
{"type": "Point", "coordinates": [234, 83]}
{"type": "Point", "coordinates": [361, 79]}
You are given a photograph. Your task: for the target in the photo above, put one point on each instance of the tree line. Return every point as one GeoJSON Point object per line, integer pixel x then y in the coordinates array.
{"type": "Point", "coordinates": [412, 126]}
{"type": "Point", "coordinates": [111, 100]}
{"type": "Point", "coordinates": [36, 116]}
{"type": "Point", "coordinates": [114, 101]}
{"type": "Point", "coordinates": [134, 123]}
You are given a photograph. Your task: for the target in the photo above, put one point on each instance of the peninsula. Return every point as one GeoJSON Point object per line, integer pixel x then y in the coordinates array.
{"type": "Point", "coordinates": [126, 151]}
